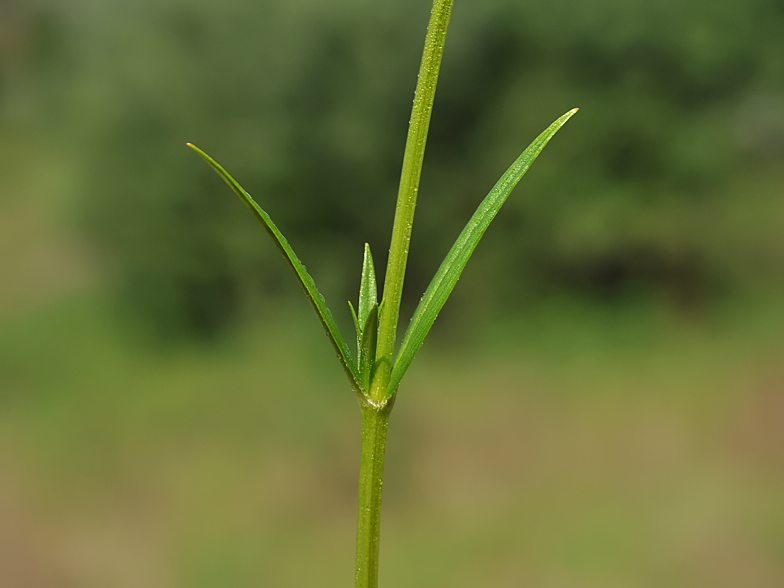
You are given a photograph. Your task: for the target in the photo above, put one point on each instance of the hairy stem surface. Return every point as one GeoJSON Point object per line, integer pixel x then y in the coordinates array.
{"type": "Point", "coordinates": [371, 472]}
{"type": "Point", "coordinates": [407, 193]}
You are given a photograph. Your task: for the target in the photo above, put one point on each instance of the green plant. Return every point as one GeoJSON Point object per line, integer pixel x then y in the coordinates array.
{"type": "Point", "coordinates": [376, 374]}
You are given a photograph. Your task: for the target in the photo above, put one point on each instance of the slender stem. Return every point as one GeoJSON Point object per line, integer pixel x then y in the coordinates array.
{"type": "Point", "coordinates": [371, 472]}
{"type": "Point", "coordinates": [375, 412]}
{"type": "Point", "coordinates": [407, 194]}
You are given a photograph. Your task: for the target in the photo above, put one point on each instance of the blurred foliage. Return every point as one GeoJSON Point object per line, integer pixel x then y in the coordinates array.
{"type": "Point", "coordinates": [598, 439]}
{"type": "Point", "coordinates": [306, 104]}
{"type": "Point", "coordinates": [562, 450]}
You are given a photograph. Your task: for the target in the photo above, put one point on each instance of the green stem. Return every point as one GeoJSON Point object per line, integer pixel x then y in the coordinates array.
{"type": "Point", "coordinates": [371, 473]}
{"type": "Point", "coordinates": [407, 194]}
{"type": "Point", "coordinates": [376, 409]}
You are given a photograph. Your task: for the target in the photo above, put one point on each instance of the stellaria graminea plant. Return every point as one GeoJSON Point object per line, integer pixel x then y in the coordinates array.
{"type": "Point", "coordinates": [376, 373]}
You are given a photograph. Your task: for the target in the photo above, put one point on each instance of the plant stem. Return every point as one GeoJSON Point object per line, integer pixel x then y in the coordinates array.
{"type": "Point", "coordinates": [376, 409]}
{"type": "Point", "coordinates": [407, 194]}
{"type": "Point", "coordinates": [371, 473]}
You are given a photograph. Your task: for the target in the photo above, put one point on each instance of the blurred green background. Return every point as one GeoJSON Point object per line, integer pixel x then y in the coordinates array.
{"type": "Point", "coordinates": [601, 403]}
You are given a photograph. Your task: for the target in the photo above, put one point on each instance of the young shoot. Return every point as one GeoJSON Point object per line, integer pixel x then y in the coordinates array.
{"type": "Point", "coordinates": [377, 371]}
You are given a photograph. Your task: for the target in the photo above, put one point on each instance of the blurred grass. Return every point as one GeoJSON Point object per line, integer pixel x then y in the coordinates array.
{"type": "Point", "coordinates": [617, 421]}
{"type": "Point", "coordinates": [580, 448]}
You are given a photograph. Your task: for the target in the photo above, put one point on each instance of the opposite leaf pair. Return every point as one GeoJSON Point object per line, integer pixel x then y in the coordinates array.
{"type": "Point", "coordinates": [360, 373]}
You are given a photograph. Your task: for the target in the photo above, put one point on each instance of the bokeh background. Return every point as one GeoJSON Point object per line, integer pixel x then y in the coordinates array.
{"type": "Point", "coordinates": [600, 404]}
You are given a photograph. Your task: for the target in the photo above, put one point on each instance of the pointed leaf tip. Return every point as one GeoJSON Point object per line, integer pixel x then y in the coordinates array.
{"type": "Point", "coordinates": [447, 275]}
{"type": "Point", "coordinates": [305, 279]}
{"type": "Point", "coordinates": [368, 290]}
{"type": "Point", "coordinates": [357, 326]}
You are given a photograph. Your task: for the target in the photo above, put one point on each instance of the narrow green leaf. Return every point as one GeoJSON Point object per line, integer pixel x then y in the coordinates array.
{"type": "Point", "coordinates": [367, 347]}
{"type": "Point", "coordinates": [315, 297]}
{"type": "Point", "coordinates": [357, 326]}
{"type": "Point", "coordinates": [366, 318]}
{"type": "Point", "coordinates": [447, 275]}
{"type": "Point", "coordinates": [368, 291]}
